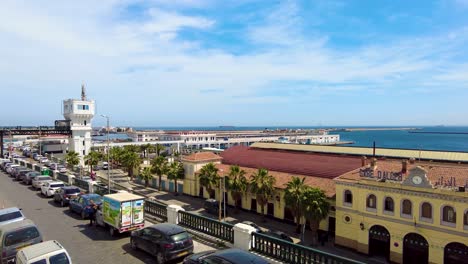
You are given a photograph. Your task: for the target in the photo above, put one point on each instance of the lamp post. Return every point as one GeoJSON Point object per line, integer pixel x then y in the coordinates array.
{"type": "Point", "coordinates": [108, 155]}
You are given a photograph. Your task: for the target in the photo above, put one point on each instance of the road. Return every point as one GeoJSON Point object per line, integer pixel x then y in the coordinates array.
{"type": "Point", "coordinates": [85, 244]}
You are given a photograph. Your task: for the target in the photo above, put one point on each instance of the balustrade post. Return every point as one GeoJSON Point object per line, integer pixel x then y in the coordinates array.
{"type": "Point", "coordinates": [173, 213]}
{"type": "Point", "coordinates": [243, 236]}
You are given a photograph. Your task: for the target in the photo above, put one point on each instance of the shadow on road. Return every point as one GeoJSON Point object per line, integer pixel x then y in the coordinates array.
{"type": "Point", "coordinates": [145, 257]}
{"type": "Point", "coordinates": [54, 204]}
{"type": "Point", "coordinates": [72, 214]}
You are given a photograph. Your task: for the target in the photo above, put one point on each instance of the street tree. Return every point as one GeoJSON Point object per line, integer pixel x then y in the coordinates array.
{"type": "Point", "coordinates": [131, 161]}
{"type": "Point", "coordinates": [146, 175]}
{"type": "Point", "coordinates": [237, 183]}
{"type": "Point", "coordinates": [208, 178]}
{"type": "Point", "coordinates": [160, 167]}
{"type": "Point", "coordinates": [262, 185]}
{"type": "Point", "coordinates": [158, 149]}
{"type": "Point", "coordinates": [92, 159]}
{"type": "Point", "coordinates": [316, 207]}
{"type": "Point", "coordinates": [175, 172]}
{"type": "Point", "coordinates": [293, 197]}
{"type": "Point", "coordinates": [72, 158]}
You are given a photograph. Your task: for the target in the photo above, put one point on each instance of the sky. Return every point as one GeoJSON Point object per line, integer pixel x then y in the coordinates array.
{"type": "Point", "coordinates": [239, 62]}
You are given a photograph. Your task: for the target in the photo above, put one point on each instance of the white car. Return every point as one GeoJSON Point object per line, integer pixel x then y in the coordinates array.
{"type": "Point", "coordinates": [38, 157]}
{"type": "Point", "coordinates": [44, 160]}
{"type": "Point", "coordinates": [39, 180]}
{"type": "Point", "coordinates": [48, 189]}
{"type": "Point", "coordinates": [10, 168]}
{"type": "Point", "coordinates": [53, 166]}
{"type": "Point", "coordinates": [45, 252]}
{"type": "Point", "coordinates": [61, 169]}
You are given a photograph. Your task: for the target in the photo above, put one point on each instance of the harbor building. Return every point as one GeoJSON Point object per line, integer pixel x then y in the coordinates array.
{"type": "Point", "coordinates": [78, 114]}
{"type": "Point", "coordinates": [404, 211]}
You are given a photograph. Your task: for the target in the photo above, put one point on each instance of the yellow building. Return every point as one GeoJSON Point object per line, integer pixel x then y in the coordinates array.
{"type": "Point", "coordinates": [406, 212]}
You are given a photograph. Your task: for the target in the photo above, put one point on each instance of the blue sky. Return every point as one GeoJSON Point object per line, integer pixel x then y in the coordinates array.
{"type": "Point", "coordinates": [242, 62]}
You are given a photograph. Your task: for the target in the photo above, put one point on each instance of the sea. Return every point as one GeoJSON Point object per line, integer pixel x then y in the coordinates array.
{"type": "Point", "coordinates": [445, 138]}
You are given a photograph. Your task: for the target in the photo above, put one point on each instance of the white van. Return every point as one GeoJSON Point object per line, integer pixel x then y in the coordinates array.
{"type": "Point", "coordinates": [48, 252]}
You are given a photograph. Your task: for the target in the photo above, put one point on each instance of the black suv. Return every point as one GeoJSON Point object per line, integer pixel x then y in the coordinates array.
{"type": "Point", "coordinates": [165, 241]}
{"type": "Point", "coordinates": [65, 194]}
{"type": "Point", "coordinates": [212, 206]}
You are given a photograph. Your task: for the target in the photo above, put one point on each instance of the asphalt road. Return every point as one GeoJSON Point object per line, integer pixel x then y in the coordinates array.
{"type": "Point", "coordinates": [85, 244]}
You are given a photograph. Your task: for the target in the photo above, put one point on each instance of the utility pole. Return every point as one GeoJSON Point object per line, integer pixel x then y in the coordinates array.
{"type": "Point", "coordinates": [220, 207]}
{"type": "Point", "coordinates": [224, 198]}
{"type": "Point", "coordinates": [108, 156]}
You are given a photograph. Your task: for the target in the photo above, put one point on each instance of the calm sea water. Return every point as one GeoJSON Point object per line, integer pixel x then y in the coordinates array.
{"type": "Point", "coordinates": [385, 138]}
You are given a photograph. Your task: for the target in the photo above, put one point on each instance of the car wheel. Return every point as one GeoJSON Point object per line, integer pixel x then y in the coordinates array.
{"type": "Point", "coordinates": [111, 231]}
{"type": "Point", "coordinates": [83, 216]}
{"type": "Point", "coordinates": [133, 244]}
{"type": "Point", "coordinates": [62, 203]}
{"type": "Point", "coordinates": [160, 258]}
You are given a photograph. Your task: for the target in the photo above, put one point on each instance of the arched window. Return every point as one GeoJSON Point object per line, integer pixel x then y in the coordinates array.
{"type": "Point", "coordinates": [388, 204]}
{"type": "Point", "coordinates": [426, 210]}
{"type": "Point", "coordinates": [465, 218]}
{"type": "Point", "coordinates": [406, 207]}
{"type": "Point", "coordinates": [348, 197]}
{"type": "Point", "coordinates": [449, 215]}
{"type": "Point", "coordinates": [371, 201]}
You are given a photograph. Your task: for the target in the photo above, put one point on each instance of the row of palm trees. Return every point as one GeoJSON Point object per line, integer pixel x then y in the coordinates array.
{"type": "Point", "coordinates": [129, 158]}
{"type": "Point", "coordinates": [305, 202]}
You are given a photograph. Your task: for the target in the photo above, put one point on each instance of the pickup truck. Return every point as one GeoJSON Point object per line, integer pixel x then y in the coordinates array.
{"type": "Point", "coordinates": [121, 212]}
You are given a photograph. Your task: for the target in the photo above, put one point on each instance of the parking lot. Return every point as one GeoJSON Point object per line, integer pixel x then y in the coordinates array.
{"type": "Point", "coordinates": [85, 244]}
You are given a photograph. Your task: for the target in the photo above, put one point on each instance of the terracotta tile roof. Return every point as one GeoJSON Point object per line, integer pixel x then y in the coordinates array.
{"type": "Point", "coordinates": [300, 163]}
{"type": "Point", "coordinates": [282, 178]}
{"type": "Point", "coordinates": [435, 171]}
{"type": "Point", "coordinates": [202, 156]}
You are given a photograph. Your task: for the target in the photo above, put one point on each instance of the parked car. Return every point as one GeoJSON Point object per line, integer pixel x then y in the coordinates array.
{"type": "Point", "coordinates": [11, 167]}
{"type": "Point", "coordinates": [165, 241]}
{"type": "Point", "coordinates": [252, 224]}
{"type": "Point", "coordinates": [225, 256]}
{"type": "Point", "coordinates": [10, 215]}
{"type": "Point", "coordinates": [37, 156]}
{"type": "Point", "coordinates": [105, 165]}
{"type": "Point", "coordinates": [21, 174]}
{"type": "Point", "coordinates": [44, 160]}
{"type": "Point", "coordinates": [15, 171]}
{"type": "Point", "coordinates": [15, 236]}
{"type": "Point", "coordinates": [65, 194]}
{"type": "Point", "coordinates": [28, 177]}
{"type": "Point", "coordinates": [81, 204]}
{"type": "Point", "coordinates": [53, 166]}
{"type": "Point", "coordinates": [48, 189]}
{"type": "Point", "coordinates": [6, 164]}
{"type": "Point", "coordinates": [39, 180]}
{"type": "Point", "coordinates": [46, 252]}
{"type": "Point", "coordinates": [279, 235]}
{"type": "Point", "coordinates": [212, 206]}
{"type": "Point", "coordinates": [61, 169]}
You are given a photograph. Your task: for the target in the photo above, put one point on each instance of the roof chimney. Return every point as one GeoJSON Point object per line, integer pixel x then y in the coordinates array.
{"type": "Point", "coordinates": [404, 166]}
{"type": "Point", "coordinates": [363, 161]}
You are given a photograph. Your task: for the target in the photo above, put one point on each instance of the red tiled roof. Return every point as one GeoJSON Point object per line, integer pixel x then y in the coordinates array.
{"type": "Point", "coordinates": [298, 163]}
{"type": "Point", "coordinates": [434, 171]}
{"type": "Point", "coordinates": [202, 156]}
{"type": "Point", "coordinates": [327, 185]}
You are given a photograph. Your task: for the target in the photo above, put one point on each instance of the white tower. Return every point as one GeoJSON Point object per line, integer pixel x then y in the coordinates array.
{"type": "Point", "coordinates": [80, 113]}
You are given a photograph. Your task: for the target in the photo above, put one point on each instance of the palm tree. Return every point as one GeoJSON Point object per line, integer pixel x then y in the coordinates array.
{"type": "Point", "coordinates": [116, 154]}
{"type": "Point", "coordinates": [262, 185]}
{"type": "Point", "coordinates": [175, 172]}
{"type": "Point", "coordinates": [160, 167]}
{"type": "Point", "coordinates": [144, 149]}
{"type": "Point", "coordinates": [92, 159]}
{"type": "Point", "coordinates": [131, 161]}
{"type": "Point", "coordinates": [158, 149]}
{"type": "Point", "coordinates": [293, 196]}
{"type": "Point", "coordinates": [316, 207]}
{"type": "Point", "coordinates": [146, 175]}
{"type": "Point", "coordinates": [208, 177]}
{"type": "Point", "coordinates": [131, 148]}
{"type": "Point", "coordinates": [237, 184]}
{"type": "Point", "coordinates": [72, 158]}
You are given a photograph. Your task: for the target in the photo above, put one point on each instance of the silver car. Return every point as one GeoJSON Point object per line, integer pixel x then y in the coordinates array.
{"type": "Point", "coordinates": [10, 215]}
{"type": "Point", "coordinates": [38, 181]}
{"type": "Point", "coordinates": [15, 236]}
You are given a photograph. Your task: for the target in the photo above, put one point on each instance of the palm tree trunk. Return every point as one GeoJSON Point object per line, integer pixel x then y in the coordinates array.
{"type": "Point", "coordinates": [175, 186]}
{"type": "Point", "coordinates": [159, 185]}
{"type": "Point", "coordinates": [314, 225]}
{"type": "Point", "coordinates": [146, 182]}
{"type": "Point", "coordinates": [263, 213]}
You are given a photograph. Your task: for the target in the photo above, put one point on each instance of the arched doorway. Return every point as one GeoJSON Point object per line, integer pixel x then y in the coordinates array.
{"type": "Point", "coordinates": [415, 249]}
{"type": "Point", "coordinates": [456, 253]}
{"type": "Point", "coordinates": [379, 242]}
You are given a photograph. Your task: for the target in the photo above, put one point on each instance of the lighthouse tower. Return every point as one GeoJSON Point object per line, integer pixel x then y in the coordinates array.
{"type": "Point", "coordinates": [80, 114]}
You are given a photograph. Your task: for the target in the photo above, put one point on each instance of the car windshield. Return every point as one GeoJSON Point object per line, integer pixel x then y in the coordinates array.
{"type": "Point", "coordinates": [57, 185]}
{"type": "Point", "coordinates": [10, 216]}
{"type": "Point", "coordinates": [68, 191]}
{"type": "Point", "coordinates": [95, 199]}
{"type": "Point", "coordinates": [45, 178]}
{"type": "Point", "coordinates": [180, 236]}
{"type": "Point", "coordinates": [20, 236]}
{"type": "Point", "coordinates": [59, 259]}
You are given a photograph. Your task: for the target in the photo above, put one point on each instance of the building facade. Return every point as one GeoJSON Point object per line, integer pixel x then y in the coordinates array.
{"type": "Point", "coordinates": [404, 212]}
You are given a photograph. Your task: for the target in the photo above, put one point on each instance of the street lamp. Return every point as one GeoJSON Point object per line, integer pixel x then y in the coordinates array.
{"type": "Point", "coordinates": [108, 154]}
